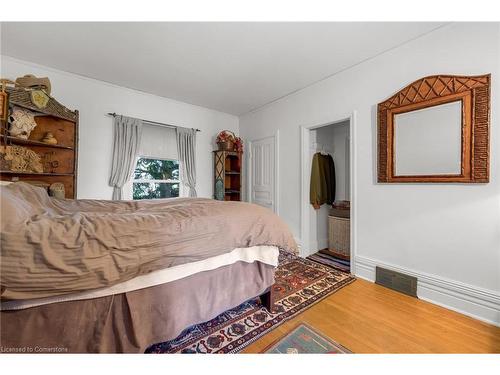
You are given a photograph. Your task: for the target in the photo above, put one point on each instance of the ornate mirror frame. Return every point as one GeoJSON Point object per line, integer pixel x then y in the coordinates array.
{"type": "Point", "coordinates": [474, 94]}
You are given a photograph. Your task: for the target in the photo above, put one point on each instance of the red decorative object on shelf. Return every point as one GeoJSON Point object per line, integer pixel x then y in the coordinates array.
{"type": "Point", "coordinates": [238, 144]}
{"type": "Point", "coordinates": [228, 141]}
{"type": "Point", "coordinates": [225, 140]}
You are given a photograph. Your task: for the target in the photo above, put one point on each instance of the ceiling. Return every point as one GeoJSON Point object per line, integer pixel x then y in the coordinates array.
{"type": "Point", "coordinates": [230, 67]}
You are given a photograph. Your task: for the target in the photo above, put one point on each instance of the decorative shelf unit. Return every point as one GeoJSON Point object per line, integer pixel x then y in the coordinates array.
{"type": "Point", "coordinates": [227, 175]}
{"type": "Point", "coordinates": [59, 161]}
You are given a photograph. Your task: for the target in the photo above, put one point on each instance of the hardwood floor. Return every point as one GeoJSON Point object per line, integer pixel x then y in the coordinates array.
{"type": "Point", "coordinates": [368, 318]}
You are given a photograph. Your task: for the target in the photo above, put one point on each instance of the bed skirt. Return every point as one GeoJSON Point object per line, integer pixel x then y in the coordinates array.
{"type": "Point", "coordinates": [130, 322]}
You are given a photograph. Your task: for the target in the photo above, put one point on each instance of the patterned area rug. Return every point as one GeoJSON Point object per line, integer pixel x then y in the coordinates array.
{"type": "Point", "coordinates": [305, 339]}
{"type": "Point", "coordinates": [299, 283]}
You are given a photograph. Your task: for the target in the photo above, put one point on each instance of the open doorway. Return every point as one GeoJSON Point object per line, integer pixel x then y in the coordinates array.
{"type": "Point", "coordinates": [327, 225]}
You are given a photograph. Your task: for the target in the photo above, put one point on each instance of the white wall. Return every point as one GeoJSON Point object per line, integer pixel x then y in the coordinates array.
{"type": "Point", "coordinates": [96, 98]}
{"type": "Point", "coordinates": [446, 234]}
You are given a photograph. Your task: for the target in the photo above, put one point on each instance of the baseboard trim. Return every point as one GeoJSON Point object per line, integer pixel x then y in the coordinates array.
{"type": "Point", "coordinates": [300, 247]}
{"type": "Point", "coordinates": [322, 243]}
{"type": "Point", "coordinates": [313, 247]}
{"type": "Point", "coordinates": [478, 303]}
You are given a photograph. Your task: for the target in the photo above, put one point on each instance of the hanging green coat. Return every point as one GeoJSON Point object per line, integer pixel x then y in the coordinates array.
{"type": "Point", "coordinates": [322, 188]}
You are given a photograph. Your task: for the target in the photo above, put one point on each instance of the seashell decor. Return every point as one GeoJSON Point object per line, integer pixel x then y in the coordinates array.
{"type": "Point", "coordinates": [49, 139]}
{"type": "Point", "coordinates": [21, 159]}
{"type": "Point", "coordinates": [22, 123]}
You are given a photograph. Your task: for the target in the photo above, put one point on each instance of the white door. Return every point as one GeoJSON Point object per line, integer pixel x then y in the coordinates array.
{"type": "Point", "coordinates": [262, 172]}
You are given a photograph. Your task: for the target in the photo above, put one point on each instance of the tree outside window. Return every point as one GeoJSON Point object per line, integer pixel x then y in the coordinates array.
{"type": "Point", "coordinates": [156, 178]}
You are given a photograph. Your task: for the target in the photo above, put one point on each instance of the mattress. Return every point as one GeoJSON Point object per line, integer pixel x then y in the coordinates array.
{"type": "Point", "coordinates": [264, 254]}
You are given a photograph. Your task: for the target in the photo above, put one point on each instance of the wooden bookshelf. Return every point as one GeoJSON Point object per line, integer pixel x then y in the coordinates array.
{"type": "Point", "coordinates": [227, 175]}
{"type": "Point", "coordinates": [59, 161]}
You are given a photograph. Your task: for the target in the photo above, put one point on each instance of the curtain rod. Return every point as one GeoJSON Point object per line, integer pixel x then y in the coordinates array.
{"type": "Point", "coordinates": [154, 122]}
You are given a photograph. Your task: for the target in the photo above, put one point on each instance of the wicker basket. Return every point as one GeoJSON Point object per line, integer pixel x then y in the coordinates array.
{"type": "Point", "coordinates": [225, 146]}
{"type": "Point", "coordinates": [22, 98]}
{"type": "Point", "coordinates": [339, 241]}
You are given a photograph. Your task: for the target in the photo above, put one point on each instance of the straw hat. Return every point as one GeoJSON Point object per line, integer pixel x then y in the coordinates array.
{"type": "Point", "coordinates": [30, 81]}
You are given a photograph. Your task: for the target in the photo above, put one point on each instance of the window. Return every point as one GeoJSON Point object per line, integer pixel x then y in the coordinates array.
{"type": "Point", "coordinates": [156, 178]}
{"type": "Point", "coordinates": [156, 173]}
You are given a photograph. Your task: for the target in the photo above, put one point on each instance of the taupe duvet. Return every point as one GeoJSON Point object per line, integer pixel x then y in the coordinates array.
{"type": "Point", "coordinates": [52, 247]}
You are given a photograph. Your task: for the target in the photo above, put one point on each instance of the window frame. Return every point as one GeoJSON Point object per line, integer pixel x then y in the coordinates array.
{"type": "Point", "coordinates": [147, 181]}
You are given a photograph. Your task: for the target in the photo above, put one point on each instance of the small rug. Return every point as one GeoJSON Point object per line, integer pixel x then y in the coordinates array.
{"type": "Point", "coordinates": [330, 260]}
{"type": "Point", "coordinates": [305, 339]}
{"type": "Point", "coordinates": [299, 283]}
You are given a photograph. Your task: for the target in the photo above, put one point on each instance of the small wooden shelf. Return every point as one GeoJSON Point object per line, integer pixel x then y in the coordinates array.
{"type": "Point", "coordinates": [37, 174]}
{"type": "Point", "coordinates": [232, 191]}
{"type": "Point", "coordinates": [232, 172]}
{"type": "Point", "coordinates": [30, 142]}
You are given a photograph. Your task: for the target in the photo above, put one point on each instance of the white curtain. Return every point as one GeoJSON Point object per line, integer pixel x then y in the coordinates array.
{"type": "Point", "coordinates": [186, 147]}
{"type": "Point", "coordinates": [126, 139]}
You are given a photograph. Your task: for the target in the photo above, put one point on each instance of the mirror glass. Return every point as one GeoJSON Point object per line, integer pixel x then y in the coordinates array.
{"type": "Point", "coordinates": [428, 141]}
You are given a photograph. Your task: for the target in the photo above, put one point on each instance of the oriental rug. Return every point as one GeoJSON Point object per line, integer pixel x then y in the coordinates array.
{"type": "Point", "coordinates": [299, 284]}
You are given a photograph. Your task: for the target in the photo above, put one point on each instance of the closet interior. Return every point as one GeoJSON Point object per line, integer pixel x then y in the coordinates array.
{"type": "Point", "coordinates": [330, 194]}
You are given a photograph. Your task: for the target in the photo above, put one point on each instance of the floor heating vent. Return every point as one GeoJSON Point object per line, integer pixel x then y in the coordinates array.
{"type": "Point", "coordinates": [397, 281]}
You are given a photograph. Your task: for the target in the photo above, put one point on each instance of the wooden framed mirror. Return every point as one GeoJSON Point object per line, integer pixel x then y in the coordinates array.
{"type": "Point", "coordinates": [436, 130]}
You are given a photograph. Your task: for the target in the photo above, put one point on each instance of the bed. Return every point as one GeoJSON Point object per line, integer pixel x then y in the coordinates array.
{"type": "Point", "coordinates": [109, 276]}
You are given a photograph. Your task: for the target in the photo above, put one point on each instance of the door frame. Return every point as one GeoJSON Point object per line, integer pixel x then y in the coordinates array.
{"type": "Point", "coordinates": [276, 195]}
{"type": "Point", "coordinates": [305, 173]}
